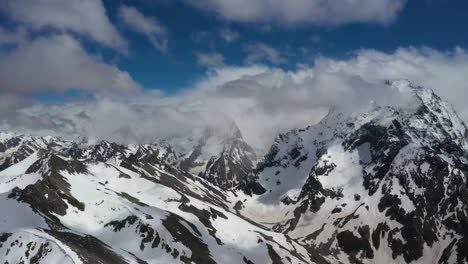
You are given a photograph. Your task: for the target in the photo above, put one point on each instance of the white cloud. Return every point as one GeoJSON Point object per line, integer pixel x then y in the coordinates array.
{"type": "Point", "coordinates": [330, 12]}
{"type": "Point", "coordinates": [228, 35]}
{"type": "Point", "coordinates": [59, 63]}
{"type": "Point", "coordinates": [444, 72]}
{"type": "Point", "coordinates": [261, 52]}
{"type": "Point", "coordinates": [86, 17]}
{"type": "Point", "coordinates": [149, 26]}
{"type": "Point", "coordinates": [263, 101]}
{"type": "Point", "coordinates": [210, 59]}
{"type": "Point", "coordinates": [267, 100]}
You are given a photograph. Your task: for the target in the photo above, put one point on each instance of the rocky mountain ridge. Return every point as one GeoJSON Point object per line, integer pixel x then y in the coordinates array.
{"type": "Point", "coordinates": [384, 185]}
{"type": "Point", "coordinates": [222, 159]}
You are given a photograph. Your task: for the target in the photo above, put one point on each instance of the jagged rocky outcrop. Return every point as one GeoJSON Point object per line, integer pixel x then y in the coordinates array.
{"type": "Point", "coordinates": [388, 184]}
{"type": "Point", "coordinates": [235, 162]}
{"type": "Point", "coordinates": [16, 147]}
{"type": "Point", "coordinates": [221, 157]}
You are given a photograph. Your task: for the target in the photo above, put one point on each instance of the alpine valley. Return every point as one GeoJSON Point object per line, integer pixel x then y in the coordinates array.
{"type": "Point", "coordinates": [385, 184]}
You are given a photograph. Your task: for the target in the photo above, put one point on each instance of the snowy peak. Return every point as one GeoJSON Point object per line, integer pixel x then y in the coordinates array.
{"type": "Point", "coordinates": [224, 133]}
{"type": "Point", "coordinates": [432, 123]}
{"type": "Point", "coordinates": [219, 155]}
{"type": "Point", "coordinates": [432, 116]}
{"type": "Point", "coordinates": [235, 162]}
{"type": "Point", "coordinates": [105, 150]}
{"type": "Point", "coordinates": [17, 147]}
{"type": "Point", "coordinates": [385, 179]}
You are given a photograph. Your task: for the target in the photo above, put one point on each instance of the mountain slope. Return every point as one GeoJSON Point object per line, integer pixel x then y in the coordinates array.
{"type": "Point", "coordinates": [140, 211]}
{"type": "Point", "coordinates": [384, 185]}
{"type": "Point", "coordinates": [16, 147]}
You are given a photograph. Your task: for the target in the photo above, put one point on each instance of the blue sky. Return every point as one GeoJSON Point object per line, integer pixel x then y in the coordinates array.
{"type": "Point", "coordinates": [100, 67]}
{"type": "Point", "coordinates": [438, 24]}
{"type": "Point", "coordinates": [190, 30]}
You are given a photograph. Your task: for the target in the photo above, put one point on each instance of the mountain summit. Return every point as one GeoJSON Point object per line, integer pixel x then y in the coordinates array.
{"type": "Point", "coordinates": [384, 185]}
{"type": "Point", "coordinates": [220, 156]}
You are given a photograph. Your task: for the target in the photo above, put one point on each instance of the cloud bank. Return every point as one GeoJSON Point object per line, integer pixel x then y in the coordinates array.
{"type": "Point", "coordinates": [85, 17]}
{"type": "Point", "coordinates": [58, 63]}
{"type": "Point", "coordinates": [262, 100]}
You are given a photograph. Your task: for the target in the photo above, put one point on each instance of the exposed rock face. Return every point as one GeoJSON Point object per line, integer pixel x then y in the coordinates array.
{"type": "Point", "coordinates": [15, 147]}
{"type": "Point", "coordinates": [388, 182]}
{"type": "Point", "coordinates": [235, 162]}
{"type": "Point", "coordinates": [223, 159]}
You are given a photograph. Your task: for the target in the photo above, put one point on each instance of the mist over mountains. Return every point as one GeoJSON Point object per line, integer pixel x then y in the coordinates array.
{"type": "Point", "coordinates": [262, 101]}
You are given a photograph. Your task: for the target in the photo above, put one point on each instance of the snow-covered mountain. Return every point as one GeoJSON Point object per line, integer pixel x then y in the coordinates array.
{"type": "Point", "coordinates": [219, 155]}
{"type": "Point", "coordinates": [386, 185]}
{"type": "Point", "coordinates": [59, 210]}
{"type": "Point", "coordinates": [380, 185]}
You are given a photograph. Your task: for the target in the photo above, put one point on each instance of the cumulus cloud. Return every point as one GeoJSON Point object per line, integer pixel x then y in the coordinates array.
{"type": "Point", "coordinates": [149, 26]}
{"type": "Point", "coordinates": [86, 17]}
{"type": "Point", "coordinates": [261, 52]}
{"type": "Point", "coordinates": [58, 63]}
{"type": "Point", "coordinates": [331, 12]}
{"type": "Point", "coordinates": [264, 100]}
{"type": "Point", "coordinates": [210, 59]}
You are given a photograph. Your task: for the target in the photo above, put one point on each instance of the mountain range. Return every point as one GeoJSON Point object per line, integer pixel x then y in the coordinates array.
{"type": "Point", "coordinates": [382, 184]}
